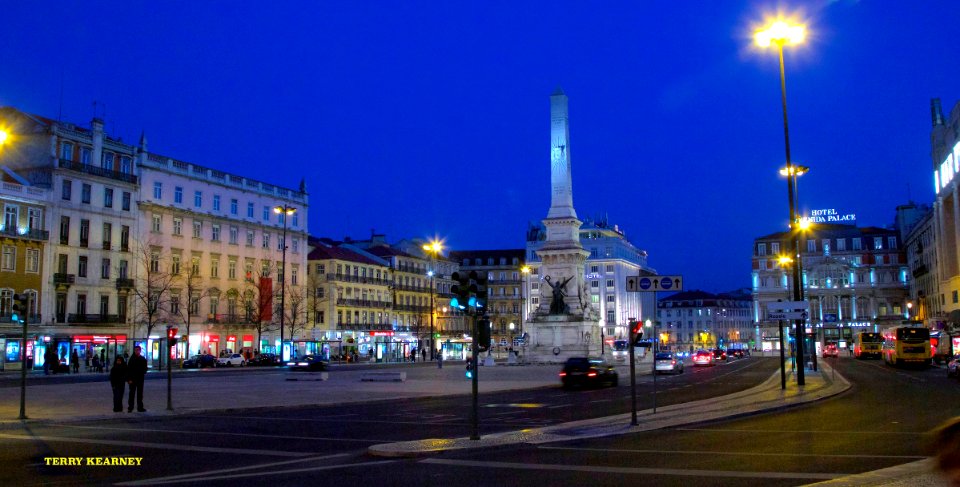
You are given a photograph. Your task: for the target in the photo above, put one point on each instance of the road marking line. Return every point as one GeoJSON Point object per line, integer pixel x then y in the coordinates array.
{"type": "Point", "coordinates": [260, 474]}
{"type": "Point", "coordinates": [638, 471]}
{"type": "Point", "coordinates": [832, 432]}
{"type": "Point", "coordinates": [219, 433]}
{"type": "Point", "coordinates": [163, 446]}
{"type": "Point", "coordinates": [237, 469]}
{"type": "Point", "coordinates": [559, 406]}
{"type": "Point", "coordinates": [320, 420]}
{"type": "Point", "coordinates": [699, 452]}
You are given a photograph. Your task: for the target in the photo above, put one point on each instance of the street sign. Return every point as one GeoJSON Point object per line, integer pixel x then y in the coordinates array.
{"type": "Point", "coordinates": [786, 315]}
{"type": "Point", "coordinates": [654, 283]}
{"type": "Point", "coordinates": [788, 306]}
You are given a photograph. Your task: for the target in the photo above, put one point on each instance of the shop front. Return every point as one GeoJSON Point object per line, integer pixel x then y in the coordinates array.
{"type": "Point", "coordinates": [105, 347]}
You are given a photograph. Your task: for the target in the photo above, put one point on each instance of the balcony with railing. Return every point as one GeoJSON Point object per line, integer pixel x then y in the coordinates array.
{"type": "Point", "coordinates": [411, 288]}
{"type": "Point", "coordinates": [35, 319]}
{"type": "Point", "coordinates": [413, 308]}
{"type": "Point", "coordinates": [372, 327]}
{"type": "Point", "coordinates": [364, 303]}
{"type": "Point", "coordinates": [93, 319]}
{"type": "Point", "coordinates": [24, 234]}
{"type": "Point", "coordinates": [97, 171]}
{"type": "Point", "coordinates": [358, 279]}
{"type": "Point", "coordinates": [123, 284]}
{"type": "Point", "coordinates": [60, 278]}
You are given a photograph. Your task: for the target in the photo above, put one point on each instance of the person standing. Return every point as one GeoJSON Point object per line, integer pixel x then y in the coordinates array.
{"type": "Point", "coordinates": [75, 361]}
{"type": "Point", "coordinates": [118, 378]}
{"type": "Point", "coordinates": [136, 371]}
{"type": "Point", "coordinates": [423, 352]}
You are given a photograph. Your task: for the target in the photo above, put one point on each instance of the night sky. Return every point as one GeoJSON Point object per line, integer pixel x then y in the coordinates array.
{"type": "Point", "coordinates": [432, 119]}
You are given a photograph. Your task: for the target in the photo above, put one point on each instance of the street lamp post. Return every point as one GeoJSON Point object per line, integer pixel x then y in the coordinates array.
{"type": "Point", "coordinates": [524, 272]}
{"type": "Point", "coordinates": [285, 211]}
{"type": "Point", "coordinates": [433, 248]}
{"type": "Point", "coordinates": [780, 33]}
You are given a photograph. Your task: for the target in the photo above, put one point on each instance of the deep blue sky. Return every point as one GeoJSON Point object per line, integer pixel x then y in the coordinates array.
{"type": "Point", "coordinates": [421, 119]}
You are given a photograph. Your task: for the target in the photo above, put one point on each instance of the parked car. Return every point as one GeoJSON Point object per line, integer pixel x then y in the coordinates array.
{"type": "Point", "coordinates": [265, 359]}
{"type": "Point", "coordinates": [310, 363]}
{"type": "Point", "coordinates": [584, 371]}
{"type": "Point", "coordinates": [703, 357]}
{"type": "Point", "coordinates": [952, 367]}
{"type": "Point", "coordinates": [668, 362]}
{"type": "Point", "coordinates": [231, 360]}
{"type": "Point", "coordinates": [719, 354]}
{"type": "Point", "coordinates": [831, 350]}
{"type": "Point", "coordinates": [200, 361]}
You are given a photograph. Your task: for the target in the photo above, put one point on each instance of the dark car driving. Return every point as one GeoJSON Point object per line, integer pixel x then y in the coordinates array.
{"type": "Point", "coordinates": [311, 363]}
{"type": "Point", "coordinates": [584, 371]}
{"type": "Point", "coordinates": [719, 354]}
{"type": "Point", "coordinates": [265, 359]}
{"type": "Point", "coordinates": [200, 361]}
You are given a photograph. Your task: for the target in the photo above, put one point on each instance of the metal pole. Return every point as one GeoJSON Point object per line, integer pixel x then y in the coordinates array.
{"type": "Point", "coordinates": [433, 309]}
{"type": "Point", "coordinates": [283, 281]}
{"type": "Point", "coordinates": [475, 409]}
{"type": "Point", "coordinates": [169, 373]}
{"type": "Point", "coordinates": [783, 358]}
{"type": "Point", "coordinates": [791, 178]}
{"type": "Point", "coordinates": [656, 349]}
{"type": "Point", "coordinates": [23, 365]}
{"type": "Point", "coordinates": [633, 374]}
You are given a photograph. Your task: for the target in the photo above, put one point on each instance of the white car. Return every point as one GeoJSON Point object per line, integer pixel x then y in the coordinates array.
{"type": "Point", "coordinates": [231, 360]}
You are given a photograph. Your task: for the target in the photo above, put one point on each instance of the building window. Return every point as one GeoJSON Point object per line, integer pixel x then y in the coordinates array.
{"type": "Point", "coordinates": [84, 232]}
{"type": "Point", "coordinates": [33, 261]}
{"type": "Point", "coordinates": [85, 153]}
{"type": "Point", "coordinates": [761, 249]}
{"type": "Point", "coordinates": [214, 266]}
{"type": "Point", "coordinates": [594, 284]}
{"type": "Point", "coordinates": [64, 230]}
{"type": "Point", "coordinates": [610, 298]}
{"type": "Point", "coordinates": [195, 266]}
{"type": "Point", "coordinates": [216, 202]}
{"type": "Point", "coordinates": [294, 222]}
{"type": "Point", "coordinates": [66, 190]}
{"type": "Point", "coordinates": [105, 269]}
{"type": "Point", "coordinates": [156, 223]}
{"type": "Point", "coordinates": [877, 243]}
{"type": "Point", "coordinates": [811, 245]}
{"type": "Point", "coordinates": [841, 245]}
{"type": "Point", "coordinates": [234, 234]}
{"type": "Point", "coordinates": [154, 262]}
{"type": "Point", "coordinates": [610, 283]}
{"type": "Point", "coordinates": [266, 240]}
{"type": "Point", "coordinates": [125, 202]}
{"type": "Point", "coordinates": [178, 194]}
{"type": "Point", "coordinates": [197, 228]}
{"type": "Point", "coordinates": [296, 246]}
{"type": "Point", "coordinates": [66, 151]}
{"type": "Point", "coordinates": [11, 217]}
{"type": "Point", "coordinates": [216, 232]}
{"type": "Point", "coordinates": [293, 275]}
{"type": "Point", "coordinates": [250, 237]}
{"type": "Point", "coordinates": [178, 226]}
{"type": "Point", "coordinates": [82, 266]}
{"type": "Point", "coordinates": [892, 243]}
{"type": "Point", "coordinates": [954, 297]}
{"type": "Point", "coordinates": [108, 197]}
{"type": "Point", "coordinates": [197, 199]}
{"type": "Point", "coordinates": [124, 238]}
{"type": "Point", "coordinates": [157, 190]}
{"type": "Point", "coordinates": [234, 206]}
{"type": "Point", "coordinates": [85, 191]}
{"type": "Point", "coordinates": [9, 258]}
{"type": "Point", "coordinates": [249, 210]}
{"type": "Point", "coordinates": [856, 243]}
{"type": "Point", "coordinates": [775, 248]}
{"type": "Point", "coordinates": [232, 269]}
{"type": "Point", "coordinates": [106, 161]}
{"type": "Point", "coordinates": [107, 235]}
{"type": "Point", "coordinates": [266, 213]}
{"type": "Point", "coordinates": [125, 164]}
{"type": "Point", "coordinates": [280, 243]}
{"type": "Point", "coordinates": [175, 264]}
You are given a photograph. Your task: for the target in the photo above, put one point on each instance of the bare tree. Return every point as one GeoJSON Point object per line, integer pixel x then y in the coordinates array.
{"type": "Point", "coordinates": [258, 300]}
{"type": "Point", "coordinates": [296, 312]}
{"type": "Point", "coordinates": [151, 289]}
{"type": "Point", "coordinates": [191, 281]}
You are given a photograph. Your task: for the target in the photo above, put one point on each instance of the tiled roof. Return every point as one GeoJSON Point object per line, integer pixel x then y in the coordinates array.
{"type": "Point", "coordinates": [323, 252]}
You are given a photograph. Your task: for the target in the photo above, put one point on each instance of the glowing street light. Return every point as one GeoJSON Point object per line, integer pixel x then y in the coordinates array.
{"type": "Point", "coordinates": [433, 248]}
{"type": "Point", "coordinates": [782, 33]}
{"type": "Point", "coordinates": [284, 211]}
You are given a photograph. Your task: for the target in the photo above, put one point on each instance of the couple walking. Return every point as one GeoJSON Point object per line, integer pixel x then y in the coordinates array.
{"type": "Point", "coordinates": [128, 373]}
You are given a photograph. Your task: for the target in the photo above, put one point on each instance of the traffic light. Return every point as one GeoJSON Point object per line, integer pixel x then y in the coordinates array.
{"type": "Point", "coordinates": [464, 293]}
{"type": "Point", "coordinates": [483, 334]}
{"type": "Point", "coordinates": [637, 329]}
{"type": "Point", "coordinates": [19, 312]}
{"type": "Point", "coordinates": [171, 335]}
{"type": "Point", "coordinates": [480, 287]}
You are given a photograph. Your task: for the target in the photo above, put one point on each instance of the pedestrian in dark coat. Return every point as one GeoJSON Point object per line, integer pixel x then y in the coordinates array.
{"type": "Point", "coordinates": [136, 371]}
{"type": "Point", "coordinates": [118, 380]}
{"type": "Point", "coordinates": [75, 361]}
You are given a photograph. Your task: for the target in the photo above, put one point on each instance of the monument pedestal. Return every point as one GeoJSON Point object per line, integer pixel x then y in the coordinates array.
{"type": "Point", "coordinates": [555, 338]}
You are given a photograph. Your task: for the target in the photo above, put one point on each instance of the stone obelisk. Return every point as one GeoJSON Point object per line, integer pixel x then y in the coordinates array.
{"type": "Point", "coordinates": [565, 324]}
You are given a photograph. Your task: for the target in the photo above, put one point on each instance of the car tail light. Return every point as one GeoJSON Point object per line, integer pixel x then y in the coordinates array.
{"type": "Point", "coordinates": [592, 373]}
{"type": "Point", "coordinates": [563, 374]}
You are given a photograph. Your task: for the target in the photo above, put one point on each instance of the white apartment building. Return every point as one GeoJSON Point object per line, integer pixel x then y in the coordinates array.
{"type": "Point", "coordinates": [220, 237]}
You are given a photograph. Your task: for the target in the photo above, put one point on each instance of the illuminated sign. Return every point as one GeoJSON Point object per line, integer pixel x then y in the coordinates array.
{"type": "Point", "coordinates": [381, 333]}
{"type": "Point", "coordinates": [831, 216]}
{"type": "Point", "coordinates": [948, 169]}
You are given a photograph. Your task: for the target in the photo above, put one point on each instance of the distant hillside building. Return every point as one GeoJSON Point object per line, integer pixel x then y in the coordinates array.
{"type": "Point", "coordinates": [692, 320]}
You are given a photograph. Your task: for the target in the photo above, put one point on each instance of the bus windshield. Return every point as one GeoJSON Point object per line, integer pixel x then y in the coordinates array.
{"type": "Point", "coordinates": [913, 334]}
{"type": "Point", "coordinates": [871, 338]}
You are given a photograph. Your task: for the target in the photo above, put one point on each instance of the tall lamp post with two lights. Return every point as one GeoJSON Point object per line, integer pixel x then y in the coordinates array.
{"type": "Point", "coordinates": [780, 33]}
{"type": "Point", "coordinates": [284, 211]}
{"type": "Point", "coordinates": [433, 248]}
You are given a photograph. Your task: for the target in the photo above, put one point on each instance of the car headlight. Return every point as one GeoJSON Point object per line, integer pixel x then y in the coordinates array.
{"type": "Point", "coordinates": [302, 363]}
{"type": "Point", "coordinates": [291, 363]}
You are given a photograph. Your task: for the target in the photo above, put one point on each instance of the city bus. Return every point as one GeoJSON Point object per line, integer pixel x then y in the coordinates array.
{"type": "Point", "coordinates": [907, 345]}
{"type": "Point", "coordinates": [867, 344]}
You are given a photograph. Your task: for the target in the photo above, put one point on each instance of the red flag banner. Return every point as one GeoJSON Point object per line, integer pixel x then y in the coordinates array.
{"type": "Point", "coordinates": [266, 299]}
